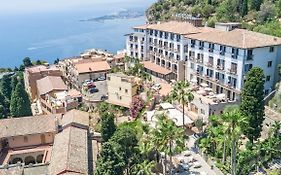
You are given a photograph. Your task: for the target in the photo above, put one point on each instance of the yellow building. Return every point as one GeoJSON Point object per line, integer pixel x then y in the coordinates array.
{"type": "Point", "coordinates": [121, 89]}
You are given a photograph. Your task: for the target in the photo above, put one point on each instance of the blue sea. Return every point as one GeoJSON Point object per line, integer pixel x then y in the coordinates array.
{"type": "Point", "coordinates": [53, 33]}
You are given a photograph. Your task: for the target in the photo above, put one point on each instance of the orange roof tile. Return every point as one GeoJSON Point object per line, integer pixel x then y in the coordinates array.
{"type": "Point", "coordinates": [156, 68]}
{"type": "Point", "coordinates": [239, 38]}
{"type": "Point", "coordinates": [98, 66]}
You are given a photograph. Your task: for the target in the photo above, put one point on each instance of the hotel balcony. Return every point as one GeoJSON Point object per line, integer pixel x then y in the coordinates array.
{"type": "Point", "coordinates": [209, 64]}
{"type": "Point", "coordinates": [250, 57]}
{"type": "Point", "coordinates": [220, 67]}
{"type": "Point", "coordinates": [232, 71]}
{"type": "Point", "coordinates": [199, 61]}
{"type": "Point", "coordinates": [211, 50]}
{"type": "Point", "coordinates": [216, 81]}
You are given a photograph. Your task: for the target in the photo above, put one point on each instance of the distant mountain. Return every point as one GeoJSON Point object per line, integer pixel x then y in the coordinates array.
{"type": "Point", "coordinates": [124, 14]}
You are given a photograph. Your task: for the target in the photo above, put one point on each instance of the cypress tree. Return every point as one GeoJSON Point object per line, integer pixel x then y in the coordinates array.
{"type": "Point", "coordinates": [6, 87]}
{"type": "Point", "coordinates": [255, 4]}
{"type": "Point", "coordinates": [244, 10]}
{"type": "Point", "coordinates": [20, 103]}
{"type": "Point", "coordinates": [252, 105]}
{"type": "Point", "coordinates": [107, 126]}
{"type": "Point", "coordinates": [14, 82]}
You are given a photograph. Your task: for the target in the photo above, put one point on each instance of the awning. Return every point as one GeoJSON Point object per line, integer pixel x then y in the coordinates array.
{"type": "Point", "coordinates": [167, 106]}
{"type": "Point", "coordinates": [156, 68]}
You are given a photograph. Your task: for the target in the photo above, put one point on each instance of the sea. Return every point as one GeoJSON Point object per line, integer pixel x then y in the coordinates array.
{"type": "Point", "coordinates": [51, 34]}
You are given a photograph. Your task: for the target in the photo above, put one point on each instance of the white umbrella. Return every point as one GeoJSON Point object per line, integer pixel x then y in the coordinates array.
{"type": "Point", "coordinates": [193, 81]}
{"type": "Point", "coordinates": [204, 84]}
{"type": "Point", "coordinates": [221, 96]}
{"type": "Point", "coordinates": [201, 92]}
{"type": "Point", "coordinates": [208, 89]}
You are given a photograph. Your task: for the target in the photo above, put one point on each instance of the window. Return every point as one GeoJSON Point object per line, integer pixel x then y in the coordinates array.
{"type": "Point", "coordinates": [266, 92]}
{"type": "Point", "coordinates": [271, 49]}
{"type": "Point", "coordinates": [126, 90]}
{"type": "Point", "coordinates": [108, 78]}
{"type": "Point", "coordinates": [267, 78]}
{"type": "Point", "coordinates": [269, 63]}
{"type": "Point", "coordinates": [120, 98]}
{"type": "Point", "coordinates": [25, 139]}
{"type": "Point", "coordinates": [120, 89]}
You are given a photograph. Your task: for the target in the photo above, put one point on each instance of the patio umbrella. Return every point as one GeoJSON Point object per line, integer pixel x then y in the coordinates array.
{"type": "Point", "coordinates": [208, 89]}
{"type": "Point", "coordinates": [221, 96]}
{"type": "Point", "coordinates": [204, 84]}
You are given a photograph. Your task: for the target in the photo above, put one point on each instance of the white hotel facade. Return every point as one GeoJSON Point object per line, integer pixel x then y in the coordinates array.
{"type": "Point", "coordinates": [219, 56]}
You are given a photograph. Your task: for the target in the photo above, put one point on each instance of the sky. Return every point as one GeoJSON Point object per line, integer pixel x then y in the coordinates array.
{"type": "Point", "coordinates": [39, 6]}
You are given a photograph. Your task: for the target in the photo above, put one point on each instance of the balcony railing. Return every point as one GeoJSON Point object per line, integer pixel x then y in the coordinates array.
{"type": "Point", "coordinates": [232, 71]}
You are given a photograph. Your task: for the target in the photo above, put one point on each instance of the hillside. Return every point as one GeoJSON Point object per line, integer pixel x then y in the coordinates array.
{"type": "Point", "coordinates": [257, 15]}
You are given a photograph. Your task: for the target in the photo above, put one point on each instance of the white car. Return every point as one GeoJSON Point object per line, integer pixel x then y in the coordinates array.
{"type": "Point", "coordinates": [156, 87]}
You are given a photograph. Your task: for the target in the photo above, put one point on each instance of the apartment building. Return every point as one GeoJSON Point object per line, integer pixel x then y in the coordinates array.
{"type": "Point", "coordinates": [34, 73]}
{"type": "Point", "coordinates": [121, 89]}
{"type": "Point", "coordinates": [44, 146]}
{"type": "Point", "coordinates": [219, 57]}
{"type": "Point", "coordinates": [88, 66]}
{"type": "Point", "coordinates": [54, 96]}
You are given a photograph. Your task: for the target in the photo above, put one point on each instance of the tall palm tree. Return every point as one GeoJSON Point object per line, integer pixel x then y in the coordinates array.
{"type": "Point", "coordinates": [182, 94]}
{"type": "Point", "coordinates": [234, 121]}
{"type": "Point", "coordinates": [169, 137]}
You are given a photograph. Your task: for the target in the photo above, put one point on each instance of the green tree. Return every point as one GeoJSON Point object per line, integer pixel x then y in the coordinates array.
{"type": "Point", "coordinates": [110, 161]}
{"type": "Point", "coordinates": [244, 10]}
{"type": "Point", "coordinates": [20, 103]}
{"type": "Point", "coordinates": [252, 105]}
{"type": "Point", "coordinates": [6, 88]}
{"type": "Point", "coordinates": [171, 138]}
{"type": "Point", "coordinates": [183, 95]}
{"type": "Point", "coordinates": [234, 121]}
{"type": "Point", "coordinates": [107, 126]}
{"type": "Point", "coordinates": [27, 62]}
{"type": "Point", "coordinates": [126, 137]}
{"type": "Point", "coordinates": [143, 168]}
{"type": "Point", "coordinates": [255, 4]}
{"type": "Point", "coordinates": [14, 82]}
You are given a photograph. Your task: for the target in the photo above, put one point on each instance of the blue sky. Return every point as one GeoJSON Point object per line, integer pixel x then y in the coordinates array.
{"type": "Point", "coordinates": [34, 6]}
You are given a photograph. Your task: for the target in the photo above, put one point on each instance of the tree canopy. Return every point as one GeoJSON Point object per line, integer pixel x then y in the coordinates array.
{"type": "Point", "coordinates": [20, 103]}
{"type": "Point", "coordinates": [252, 105]}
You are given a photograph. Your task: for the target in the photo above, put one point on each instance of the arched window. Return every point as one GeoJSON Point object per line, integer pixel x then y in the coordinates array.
{"type": "Point", "coordinates": [39, 158]}
{"type": "Point", "coordinates": [17, 160]}
{"type": "Point", "coordinates": [29, 160]}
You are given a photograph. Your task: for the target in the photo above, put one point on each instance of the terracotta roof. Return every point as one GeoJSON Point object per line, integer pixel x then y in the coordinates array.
{"type": "Point", "coordinates": [76, 116]}
{"type": "Point", "coordinates": [74, 93]}
{"type": "Point", "coordinates": [26, 126]}
{"type": "Point", "coordinates": [238, 38]}
{"type": "Point", "coordinates": [41, 68]}
{"type": "Point", "coordinates": [173, 27]}
{"type": "Point", "coordinates": [92, 67]}
{"type": "Point", "coordinates": [70, 152]}
{"type": "Point", "coordinates": [156, 68]}
{"type": "Point", "coordinates": [49, 84]}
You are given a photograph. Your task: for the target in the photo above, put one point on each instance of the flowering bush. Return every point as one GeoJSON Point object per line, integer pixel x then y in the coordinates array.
{"type": "Point", "coordinates": [136, 106]}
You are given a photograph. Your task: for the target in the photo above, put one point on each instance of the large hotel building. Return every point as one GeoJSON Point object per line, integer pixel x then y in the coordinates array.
{"type": "Point", "coordinates": [219, 57]}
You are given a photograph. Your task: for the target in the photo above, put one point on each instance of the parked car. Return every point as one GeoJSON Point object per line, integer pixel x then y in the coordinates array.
{"type": "Point", "coordinates": [91, 85]}
{"type": "Point", "coordinates": [102, 78]}
{"type": "Point", "coordinates": [93, 90]}
{"type": "Point", "coordinates": [103, 97]}
{"type": "Point", "coordinates": [156, 87]}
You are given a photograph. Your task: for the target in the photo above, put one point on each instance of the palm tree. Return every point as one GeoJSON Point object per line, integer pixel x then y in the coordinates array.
{"type": "Point", "coordinates": [233, 121]}
{"type": "Point", "coordinates": [169, 137]}
{"type": "Point", "coordinates": [182, 94]}
{"type": "Point", "coordinates": [144, 168]}
{"type": "Point", "coordinates": [275, 128]}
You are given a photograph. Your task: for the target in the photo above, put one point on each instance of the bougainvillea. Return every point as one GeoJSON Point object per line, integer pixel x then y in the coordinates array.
{"type": "Point", "coordinates": [136, 106]}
